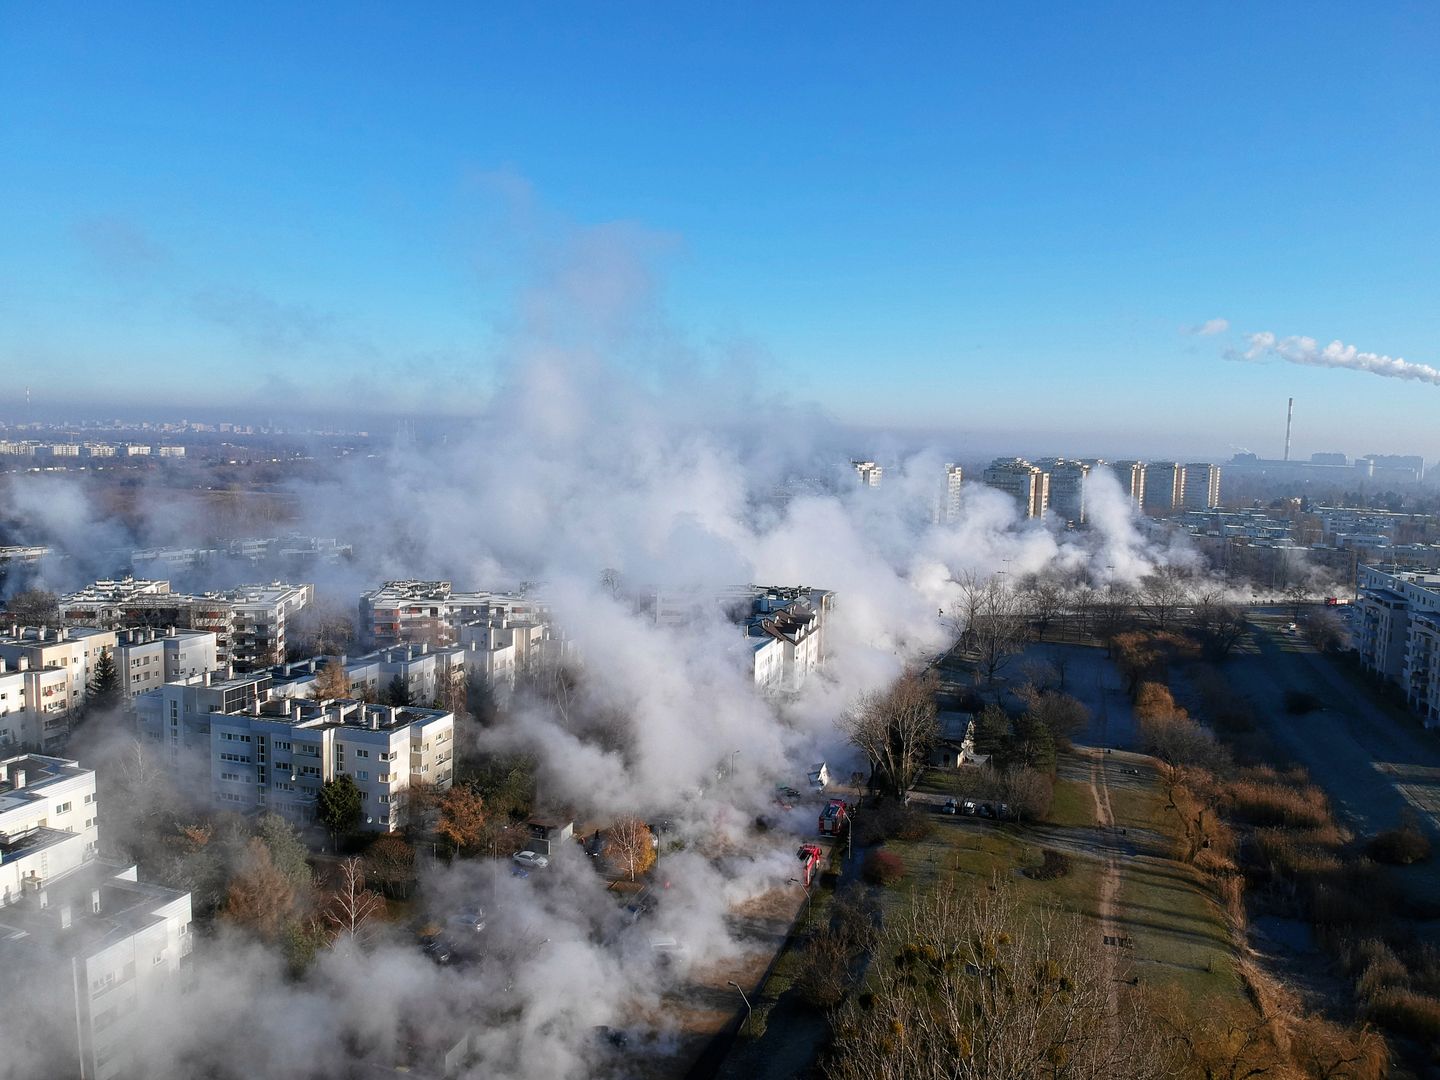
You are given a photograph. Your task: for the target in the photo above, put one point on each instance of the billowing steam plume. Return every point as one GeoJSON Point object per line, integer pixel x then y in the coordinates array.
{"type": "Point", "coordinates": [1308, 351]}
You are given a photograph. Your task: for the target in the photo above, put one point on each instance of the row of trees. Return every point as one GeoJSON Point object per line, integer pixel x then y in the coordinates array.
{"type": "Point", "coordinates": [994, 618]}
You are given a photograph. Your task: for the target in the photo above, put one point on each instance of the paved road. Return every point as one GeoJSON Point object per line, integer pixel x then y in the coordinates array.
{"type": "Point", "coordinates": [1372, 764]}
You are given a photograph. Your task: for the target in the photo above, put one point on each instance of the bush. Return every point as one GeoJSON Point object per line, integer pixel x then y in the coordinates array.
{"type": "Point", "coordinates": [1053, 864]}
{"type": "Point", "coordinates": [1300, 702]}
{"type": "Point", "coordinates": [913, 825]}
{"type": "Point", "coordinates": [883, 868]}
{"type": "Point", "coordinates": [1265, 802]}
{"type": "Point", "coordinates": [1407, 1013]}
{"type": "Point", "coordinates": [1399, 847]}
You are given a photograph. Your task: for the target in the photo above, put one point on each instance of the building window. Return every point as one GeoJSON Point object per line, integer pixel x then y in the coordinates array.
{"type": "Point", "coordinates": [362, 775]}
{"type": "Point", "coordinates": [63, 808]}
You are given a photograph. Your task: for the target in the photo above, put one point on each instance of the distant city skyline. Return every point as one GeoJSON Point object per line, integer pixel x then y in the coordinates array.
{"type": "Point", "coordinates": [1026, 230]}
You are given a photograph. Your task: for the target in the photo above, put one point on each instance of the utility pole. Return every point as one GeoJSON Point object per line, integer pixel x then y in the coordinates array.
{"type": "Point", "coordinates": [744, 999]}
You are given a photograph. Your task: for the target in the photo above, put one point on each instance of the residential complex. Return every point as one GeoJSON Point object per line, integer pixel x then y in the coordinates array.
{"type": "Point", "coordinates": [432, 611]}
{"type": "Point", "coordinates": [244, 746]}
{"type": "Point", "coordinates": [45, 674]}
{"type": "Point", "coordinates": [1397, 633]}
{"type": "Point", "coordinates": [249, 622]}
{"type": "Point", "coordinates": [82, 941]}
{"type": "Point", "coordinates": [868, 473]}
{"type": "Point", "coordinates": [1027, 484]}
{"type": "Point", "coordinates": [954, 475]}
{"type": "Point", "coordinates": [1164, 486]}
{"type": "Point", "coordinates": [1068, 480]}
{"type": "Point", "coordinates": [785, 629]}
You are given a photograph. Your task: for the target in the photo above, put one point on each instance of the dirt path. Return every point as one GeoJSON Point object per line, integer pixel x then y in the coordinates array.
{"type": "Point", "coordinates": [1108, 906]}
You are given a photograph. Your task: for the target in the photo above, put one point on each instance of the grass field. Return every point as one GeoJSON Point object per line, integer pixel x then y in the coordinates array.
{"type": "Point", "coordinates": [1177, 930]}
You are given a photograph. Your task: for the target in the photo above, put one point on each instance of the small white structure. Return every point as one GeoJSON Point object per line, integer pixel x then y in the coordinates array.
{"type": "Point", "coordinates": [819, 777]}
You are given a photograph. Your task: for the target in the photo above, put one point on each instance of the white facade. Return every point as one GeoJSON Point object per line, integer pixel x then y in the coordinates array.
{"type": "Point", "coordinates": [868, 473]}
{"type": "Point", "coordinates": [48, 822]}
{"type": "Point", "coordinates": [1027, 484]}
{"type": "Point", "coordinates": [260, 751]}
{"type": "Point", "coordinates": [431, 611]}
{"type": "Point", "coordinates": [785, 630]}
{"type": "Point", "coordinates": [59, 901]}
{"type": "Point", "coordinates": [954, 475]}
{"type": "Point", "coordinates": [249, 622]}
{"type": "Point", "coordinates": [147, 659]}
{"type": "Point", "coordinates": [1397, 633]}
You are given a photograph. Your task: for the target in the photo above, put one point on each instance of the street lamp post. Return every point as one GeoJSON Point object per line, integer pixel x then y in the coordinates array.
{"type": "Point", "coordinates": [744, 999]}
{"type": "Point", "coordinates": [797, 881]}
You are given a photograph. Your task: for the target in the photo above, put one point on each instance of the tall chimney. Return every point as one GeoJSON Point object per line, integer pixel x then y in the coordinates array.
{"type": "Point", "coordinates": [1289, 419]}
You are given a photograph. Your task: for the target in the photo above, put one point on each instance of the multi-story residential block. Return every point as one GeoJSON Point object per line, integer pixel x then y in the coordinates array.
{"type": "Point", "coordinates": [1027, 484]}
{"type": "Point", "coordinates": [785, 628]}
{"type": "Point", "coordinates": [425, 674]}
{"type": "Point", "coordinates": [58, 664]}
{"type": "Point", "coordinates": [868, 473]}
{"type": "Point", "coordinates": [146, 659]}
{"type": "Point", "coordinates": [260, 750]}
{"type": "Point", "coordinates": [403, 611]}
{"type": "Point", "coordinates": [48, 822]}
{"type": "Point", "coordinates": [1068, 480]}
{"type": "Point", "coordinates": [1397, 633]}
{"type": "Point", "coordinates": [82, 941]}
{"type": "Point", "coordinates": [954, 475]}
{"type": "Point", "coordinates": [1200, 488]}
{"type": "Point", "coordinates": [170, 451]}
{"type": "Point", "coordinates": [249, 622]}
{"type": "Point", "coordinates": [1131, 475]}
{"type": "Point", "coordinates": [1164, 487]}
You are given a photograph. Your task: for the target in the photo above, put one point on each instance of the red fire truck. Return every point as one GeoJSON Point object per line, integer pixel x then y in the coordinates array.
{"type": "Point", "coordinates": [811, 858]}
{"type": "Point", "coordinates": [834, 817]}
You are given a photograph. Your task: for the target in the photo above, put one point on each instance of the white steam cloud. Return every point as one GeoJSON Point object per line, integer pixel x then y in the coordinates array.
{"type": "Point", "coordinates": [1309, 352]}
{"type": "Point", "coordinates": [595, 456]}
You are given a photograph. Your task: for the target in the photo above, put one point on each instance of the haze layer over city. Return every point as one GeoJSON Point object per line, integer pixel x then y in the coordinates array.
{"type": "Point", "coordinates": [775, 542]}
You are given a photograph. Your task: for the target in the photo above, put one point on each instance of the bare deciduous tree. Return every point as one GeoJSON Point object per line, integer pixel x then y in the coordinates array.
{"type": "Point", "coordinates": [353, 906]}
{"type": "Point", "coordinates": [1163, 593]}
{"type": "Point", "coordinates": [895, 730]}
{"type": "Point", "coordinates": [991, 623]}
{"type": "Point", "coordinates": [630, 846]}
{"type": "Point", "coordinates": [974, 989]}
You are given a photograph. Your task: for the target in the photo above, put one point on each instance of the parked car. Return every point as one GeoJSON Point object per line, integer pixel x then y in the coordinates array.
{"type": "Point", "coordinates": [986, 810]}
{"type": "Point", "coordinates": [968, 807]}
{"type": "Point", "coordinates": [1003, 812]}
{"type": "Point", "coordinates": [950, 807]}
{"type": "Point", "coordinates": [437, 949]}
{"type": "Point", "coordinates": [530, 860]}
{"type": "Point", "coordinates": [468, 921]}
{"type": "Point", "coordinates": [596, 844]}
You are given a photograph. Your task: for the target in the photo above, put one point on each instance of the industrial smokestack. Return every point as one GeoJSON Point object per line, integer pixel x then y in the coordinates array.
{"type": "Point", "coordinates": [1289, 419]}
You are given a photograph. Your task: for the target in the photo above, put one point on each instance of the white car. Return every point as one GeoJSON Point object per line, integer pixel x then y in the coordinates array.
{"type": "Point", "coordinates": [531, 860]}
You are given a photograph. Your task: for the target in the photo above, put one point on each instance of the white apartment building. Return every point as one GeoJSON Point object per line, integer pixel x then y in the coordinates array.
{"type": "Point", "coordinates": [1397, 633]}
{"type": "Point", "coordinates": [1131, 475]}
{"type": "Point", "coordinates": [48, 822]}
{"type": "Point", "coordinates": [785, 629]}
{"type": "Point", "coordinates": [1068, 481]}
{"type": "Point", "coordinates": [425, 673]}
{"type": "Point", "coordinates": [58, 901]}
{"type": "Point", "coordinates": [58, 664]}
{"type": "Point", "coordinates": [1164, 486]}
{"type": "Point", "coordinates": [1027, 484]}
{"type": "Point", "coordinates": [954, 475]}
{"type": "Point", "coordinates": [262, 751]}
{"type": "Point", "coordinates": [34, 706]}
{"type": "Point", "coordinates": [868, 473]}
{"type": "Point", "coordinates": [1201, 487]}
{"type": "Point", "coordinates": [403, 611]}
{"type": "Point", "coordinates": [146, 659]}
{"type": "Point", "coordinates": [249, 622]}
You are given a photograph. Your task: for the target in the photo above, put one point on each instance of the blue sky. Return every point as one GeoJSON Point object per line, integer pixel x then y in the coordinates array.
{"type": "Point", "coordinates": [988, 221]}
